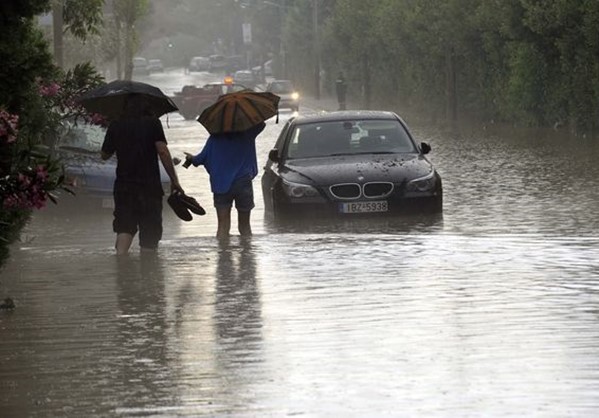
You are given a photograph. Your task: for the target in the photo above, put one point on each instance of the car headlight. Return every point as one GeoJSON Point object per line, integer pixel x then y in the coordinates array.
{"type": "Point", "coordinates": [422, 184]}
{"type": "Point", "coordinates": [295, 95]}
{"type": "Point", "coordinates": [297, 190]}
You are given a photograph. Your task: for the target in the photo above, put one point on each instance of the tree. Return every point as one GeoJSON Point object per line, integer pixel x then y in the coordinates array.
{"type": "Point", "coordinates": [78, 17]}
{"type": "Point", "coordinates": [126, 14]}
{"type": "Point", "coordinates": [34, 96]}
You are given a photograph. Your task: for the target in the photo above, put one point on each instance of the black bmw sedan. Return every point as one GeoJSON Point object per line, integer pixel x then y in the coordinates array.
{"type": "Point", "coordinates": [349, 163]}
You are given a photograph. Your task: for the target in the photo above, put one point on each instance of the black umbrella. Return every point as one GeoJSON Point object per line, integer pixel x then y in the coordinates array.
{"type": "Point", "coordinates": [110, 99]}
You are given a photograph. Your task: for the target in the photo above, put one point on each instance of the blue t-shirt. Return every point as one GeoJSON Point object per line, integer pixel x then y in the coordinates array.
{"type": "Point", "coordinates": [228, 157]}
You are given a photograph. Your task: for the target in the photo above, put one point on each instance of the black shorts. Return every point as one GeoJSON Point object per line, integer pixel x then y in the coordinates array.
{"type": "Point", "coordinates": [241, 192]}
{"type": "Point", "coordinates": [136, 209]}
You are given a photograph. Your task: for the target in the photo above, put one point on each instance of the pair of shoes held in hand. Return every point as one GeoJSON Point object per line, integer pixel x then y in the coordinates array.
{"type": "Point", "coordinates": [183, 204]}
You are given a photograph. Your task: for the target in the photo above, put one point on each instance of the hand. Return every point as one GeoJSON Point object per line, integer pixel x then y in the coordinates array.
{"type": "Point", "coordinates": [188, 158]}
{"type": "Point", "coordinates": [175, 186]}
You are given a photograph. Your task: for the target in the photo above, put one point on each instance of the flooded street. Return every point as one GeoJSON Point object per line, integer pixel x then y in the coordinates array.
{"type": "Point", "coordinates": [490, 310]}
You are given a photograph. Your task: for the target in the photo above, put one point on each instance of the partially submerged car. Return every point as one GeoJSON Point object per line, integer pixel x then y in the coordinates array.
{"type": "Point", "coordinates": [288, 94]}
{"type": "Point", "coordinates": [349, 163]}
{"type": "Point", "coordinates": [140, 66]}
{"type": "Point", "coordinates": [78, 147]}
{"type": "Point", "coordinates": [246, 77]}
{"type": "Point", "coordinates": [155, 66]}
{"type": "Point", "coordinates": [199, 64]}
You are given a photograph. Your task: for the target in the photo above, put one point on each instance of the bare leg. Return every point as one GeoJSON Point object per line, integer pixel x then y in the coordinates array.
{"type": "Point", "coordinates": [123, 243]}
{"type": "Point", "coordinates": [224, 222]}
{"type": "Point", "coordinates": [244, 226]}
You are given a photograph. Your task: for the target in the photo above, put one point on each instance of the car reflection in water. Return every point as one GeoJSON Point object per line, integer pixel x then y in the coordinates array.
{"type": "Point", "coordinates": [349, 164]}
{"type": "Point", "coordinates": [92, 179]}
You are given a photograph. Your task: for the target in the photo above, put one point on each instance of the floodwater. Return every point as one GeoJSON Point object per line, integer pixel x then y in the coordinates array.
{"type": "Point", "coordinates": [489, 310]}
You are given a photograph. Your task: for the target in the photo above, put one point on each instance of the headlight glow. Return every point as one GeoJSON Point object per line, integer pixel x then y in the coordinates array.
{"type": "Point", "coordinates": [297, 190]}
{"type": "Point", "coordinates": [295, 95]}
{"type": "Point", "coordinates": [422, 184]}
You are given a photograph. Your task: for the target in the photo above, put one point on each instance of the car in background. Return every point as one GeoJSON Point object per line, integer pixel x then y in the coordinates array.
{"type": "Point", "coordinates": [217, 63]}
{"type": "Point", "coordinates": [155, 66]}
{"type": "Point", "coordinates": [192, 100]}
{"type": "Point", "coordinates": [199, 64]}
{"type": "Point", "coordinates": [266, 67]}
{"type": "Point", "coordinates": [140, 66]}
{"type": "Point", "coordinates": [245, 77]}
{"type": "Point", "coordinates": [349, 163]}
{"type": "Point", "coordinates": [78, 148]}
{"type": "Point", "coordinates": [284, 89]}
{"type": "Point", "coordinates": [235, 63]}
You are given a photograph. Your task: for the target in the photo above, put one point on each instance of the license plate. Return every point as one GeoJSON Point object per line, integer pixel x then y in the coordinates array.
{"type": "Point", "coordinates": [364, 207]}
{"type": "Point", "coordinates": [108, 203]}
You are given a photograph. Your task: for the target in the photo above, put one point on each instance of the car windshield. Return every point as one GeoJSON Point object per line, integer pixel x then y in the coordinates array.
{"type": "Point", "coordinates": [281, 88]}
{"type": "Point", "coordinates": [332, 138]}
{"type": "Point", "coordinates": [82, 137]}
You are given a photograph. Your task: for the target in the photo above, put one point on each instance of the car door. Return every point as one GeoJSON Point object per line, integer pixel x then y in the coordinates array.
{"type": "Point", "coordinates": [271, 177]}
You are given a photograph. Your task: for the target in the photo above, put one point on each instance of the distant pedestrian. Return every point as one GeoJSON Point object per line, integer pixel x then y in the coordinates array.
{"type": "Point", "coordinates": [230, 160]}
{"type": "Point", "coordinates": [138, 140]}
{"type": "Point", "coordinates": [341, 88]}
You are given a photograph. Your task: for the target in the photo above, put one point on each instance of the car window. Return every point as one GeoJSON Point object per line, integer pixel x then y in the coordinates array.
{"type": "Point", "coordinates": [82, 136]}
{"type": "Point", "coordinates": [347, 138]}
{"type": "Point", "coordinates": [281, 88]}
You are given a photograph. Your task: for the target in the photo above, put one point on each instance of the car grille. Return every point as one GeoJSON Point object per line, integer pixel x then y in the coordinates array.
{"type": "Point", "coordinates": [373, 190]}
{"type": "Point", "coordinates": [346, 191]}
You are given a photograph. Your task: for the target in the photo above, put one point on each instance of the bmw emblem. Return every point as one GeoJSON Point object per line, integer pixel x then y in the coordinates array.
{"type": "Point", "coordinates": [360, 178]}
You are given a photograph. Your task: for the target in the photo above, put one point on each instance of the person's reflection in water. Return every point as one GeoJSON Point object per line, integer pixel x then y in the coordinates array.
{"type": "Point", "coordinates": [144, 369]}
{"type": "Point", "coordinates": [237, 314]}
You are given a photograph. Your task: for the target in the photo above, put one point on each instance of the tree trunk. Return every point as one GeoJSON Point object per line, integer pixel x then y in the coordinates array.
{"type": "Point", "coordinates": [57, 24]}
{"type": "Point", "coordinates": [119, 61]}
{"type": "Point", "coordinates": [128, 51]}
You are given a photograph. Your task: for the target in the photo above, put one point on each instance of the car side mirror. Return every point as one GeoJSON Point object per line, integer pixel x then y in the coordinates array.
{"type": "Point", "coordinates": [425, 148]}
{"type": "Point", "coordinates": [273, 155]}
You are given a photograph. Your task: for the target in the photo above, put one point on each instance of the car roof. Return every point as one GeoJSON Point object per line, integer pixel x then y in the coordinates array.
{"type": "Point", "coordinates": [341, 115]}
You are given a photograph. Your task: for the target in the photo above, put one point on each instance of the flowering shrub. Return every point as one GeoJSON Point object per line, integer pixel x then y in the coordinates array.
{"type": "Point", "coordinates": [28, 173]}
{"type": "Point", "coordinates": [8, 127]}
{"type": "Point", "coordinates": [30, 188]}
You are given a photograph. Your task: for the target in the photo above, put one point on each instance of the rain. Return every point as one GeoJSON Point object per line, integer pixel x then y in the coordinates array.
{"type": "Point", "coordinates": [354, 305]}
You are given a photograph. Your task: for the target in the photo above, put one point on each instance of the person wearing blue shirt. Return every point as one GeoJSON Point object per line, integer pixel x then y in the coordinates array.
{"type": "Point", "coordinates": [230, 160]}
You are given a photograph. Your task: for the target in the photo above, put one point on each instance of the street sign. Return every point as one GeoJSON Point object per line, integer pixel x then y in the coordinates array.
{"type": "Point", "coordinates": [247, 33]}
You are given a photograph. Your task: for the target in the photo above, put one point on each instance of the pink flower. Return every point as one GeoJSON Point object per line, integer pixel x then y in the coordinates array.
{"type": "Point", "coordinates": [50, 90]}
{"type": "Point", "coordinates": [8, 126]}
{"type": "Point", "coordinates": [24, 180]}
{"type": "Point", "coordinates": [42, 173]}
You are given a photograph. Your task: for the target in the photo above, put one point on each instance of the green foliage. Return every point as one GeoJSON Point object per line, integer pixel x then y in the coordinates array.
{"type": "Point", "coordinates": [529, 62]}
{"type": "Point", "coordinates": [35, 97]}
{"type": "Point", "coordinates": [83, 17]}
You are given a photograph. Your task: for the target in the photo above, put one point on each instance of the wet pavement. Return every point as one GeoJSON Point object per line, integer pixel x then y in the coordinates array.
{"type": "Point", "coordinates": [488, 310]}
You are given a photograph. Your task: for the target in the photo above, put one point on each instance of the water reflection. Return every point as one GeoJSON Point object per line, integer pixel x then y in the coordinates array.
{"type": "Point", "coordinates": [237, 310]}
{"type": "Point", "coordinates": [356, 225]}
{"type": "Point", "coordinates": [144, 366]}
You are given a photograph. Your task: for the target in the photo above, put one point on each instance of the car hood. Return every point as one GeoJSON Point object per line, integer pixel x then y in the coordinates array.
{"type": "Point", "coordinates": [395, 168]}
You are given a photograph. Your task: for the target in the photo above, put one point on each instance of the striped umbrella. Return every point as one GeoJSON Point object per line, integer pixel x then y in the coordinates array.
{"type": "Point", "coordinates": [240, 111]}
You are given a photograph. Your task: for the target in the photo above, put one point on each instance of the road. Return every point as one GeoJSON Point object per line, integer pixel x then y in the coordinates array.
{"type": "Point", "coordinates": [490, 310]}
